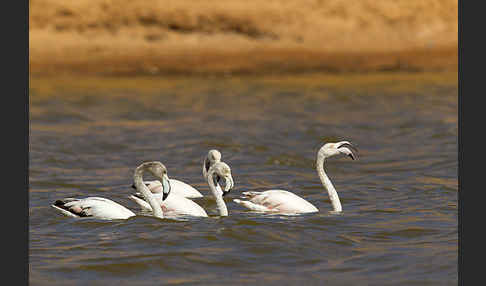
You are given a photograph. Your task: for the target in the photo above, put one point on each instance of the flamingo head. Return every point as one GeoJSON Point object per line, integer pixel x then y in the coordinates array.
{"type": "Point", "coordinates": [221, 170]}
{"type": "Point", "coordinates": [160, 172]}
{"type": "Point", "coordinates": [213, 157]}
{"type": "Point", "coordinates": [342, 147]}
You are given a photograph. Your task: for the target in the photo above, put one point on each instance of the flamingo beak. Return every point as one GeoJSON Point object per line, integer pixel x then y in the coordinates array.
{"type": "Point", "coordinates": [350, 147]}
{"type": "Point", "coordinates": [166, 187]}
{"type": "Point", "coordinates": [229, 184]}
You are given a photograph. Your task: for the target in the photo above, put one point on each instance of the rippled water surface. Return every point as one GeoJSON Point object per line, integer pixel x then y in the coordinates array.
{"type": "Point", "coordinates": [399, 224]}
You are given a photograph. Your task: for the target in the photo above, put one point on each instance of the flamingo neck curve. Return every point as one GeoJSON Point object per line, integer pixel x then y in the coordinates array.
{"type": "Point", "coordinates": [326, 182]}
{"type": "Point", "coordinates": [138, 181]}
{"type": "Point", "coordinates": [218, 195]}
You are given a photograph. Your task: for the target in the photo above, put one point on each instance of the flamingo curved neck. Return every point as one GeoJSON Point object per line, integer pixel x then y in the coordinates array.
{"type": "Point", "coordinates": [218, 195]}
{"type": "Point", "coordinates": [326, 182]}
{"type": "Point", "coordinates": [138, 181]}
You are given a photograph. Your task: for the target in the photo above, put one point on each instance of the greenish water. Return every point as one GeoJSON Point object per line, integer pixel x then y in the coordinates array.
{"type": "Point", "coordinates": [399, 224]}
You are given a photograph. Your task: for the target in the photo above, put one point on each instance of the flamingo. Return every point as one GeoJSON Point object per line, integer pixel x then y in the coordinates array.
{"type": "Point", "coordinates": [285, 202]}
{"type": "Point", "coordinates": [102, 208]}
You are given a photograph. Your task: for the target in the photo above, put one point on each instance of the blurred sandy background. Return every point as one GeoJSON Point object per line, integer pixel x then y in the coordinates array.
{"type": "Point", "coordinates": [241, 36]}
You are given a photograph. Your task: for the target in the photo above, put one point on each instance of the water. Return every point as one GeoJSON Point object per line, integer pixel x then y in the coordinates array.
{"type": "Point", "coordinates": [399, 224]}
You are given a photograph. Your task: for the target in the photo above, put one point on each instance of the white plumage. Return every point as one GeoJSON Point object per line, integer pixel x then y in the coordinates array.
{"type": "Point", "coordinates": [176, 205]}
{"type": "Point", "coordinates": [173, 205]}
{"type": "Point", "coordinates": [92, 207]}
{"type": "Point", "coordinates": [280, 201]}
{"type": "Point", "coordinates": [284, 202]}
{"type": "Point", "coordinates": [176, 188]}
{"type": "Point", "coordinates": [102, 208]}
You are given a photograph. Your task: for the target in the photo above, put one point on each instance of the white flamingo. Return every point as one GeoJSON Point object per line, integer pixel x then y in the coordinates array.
{"type": "Point", "coordinates": [183, 189]}
{"type": "Point", "coordinates": [216, 172]}
{"type": "Point", "coordinates": [176, 205]}
{"type": "Point", "coordinates": [102, 208]}
{"type": "Point", "coordinates": [284, 202]}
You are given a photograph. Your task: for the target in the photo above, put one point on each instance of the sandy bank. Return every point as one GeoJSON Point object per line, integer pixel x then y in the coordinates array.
{"type": "Point", "coordinates": [127, 37]}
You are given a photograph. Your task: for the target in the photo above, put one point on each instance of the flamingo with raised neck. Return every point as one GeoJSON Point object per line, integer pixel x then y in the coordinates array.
{"type": "Point", "coordinates": [285, 202]}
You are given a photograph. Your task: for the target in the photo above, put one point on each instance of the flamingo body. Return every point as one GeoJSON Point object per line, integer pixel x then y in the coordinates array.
{"type": "Point", "coordinates": [177, 188]}
{"type": "Point", "coordinates": [173, 205]}
{"type": "Point", "coordinates": [92, 207]}
{"type": "Point", "coordinates": [278, 201]}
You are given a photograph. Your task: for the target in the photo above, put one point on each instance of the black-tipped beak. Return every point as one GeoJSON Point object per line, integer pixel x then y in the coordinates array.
{"type": "Point", "coordinates": [347, 145]}
{"type": "Point", "coordinates": [231, 182]}
{"type": "Point", "coordinates": [166, 187]}
{"type": "Point", "coordinates": [352, 148]}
